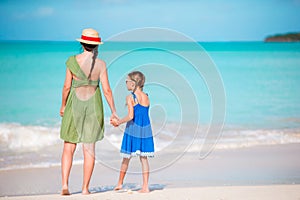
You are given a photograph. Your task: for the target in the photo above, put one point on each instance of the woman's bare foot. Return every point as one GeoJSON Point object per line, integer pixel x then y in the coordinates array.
{"type": "Point", "coordinates": [118, 187]}
{"type": "Point", "coordinates": [65, 191]}
{"type": "Point", "coordinates": [144, 190]}
{"type": "Point", "coordinates": [85, 192]}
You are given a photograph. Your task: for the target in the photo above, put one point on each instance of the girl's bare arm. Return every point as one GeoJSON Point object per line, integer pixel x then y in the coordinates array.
{"type": "Point", "coordinates": [130, 115]}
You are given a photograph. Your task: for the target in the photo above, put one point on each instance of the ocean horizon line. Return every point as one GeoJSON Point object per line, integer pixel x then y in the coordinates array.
{"type": "Point", "coordinates": [154, 41]}
{"type": "Point", "coordinates": [165, 45]}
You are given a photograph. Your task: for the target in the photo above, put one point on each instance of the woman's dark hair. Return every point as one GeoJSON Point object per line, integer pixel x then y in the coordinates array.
{"type": "Point", "coordinates": [88, 47]}
{"type": "Point", "coordinates": [91, 48]}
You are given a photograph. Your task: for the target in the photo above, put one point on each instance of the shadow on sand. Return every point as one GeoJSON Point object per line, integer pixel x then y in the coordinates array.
{"type": "Point", "coordinates": [126, 187]}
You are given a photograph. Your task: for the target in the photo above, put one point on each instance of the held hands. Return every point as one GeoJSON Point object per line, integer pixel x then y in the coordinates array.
{"type": "Point", "coordinates": [114, 120]}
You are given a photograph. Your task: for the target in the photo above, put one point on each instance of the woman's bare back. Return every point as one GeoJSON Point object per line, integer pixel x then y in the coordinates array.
{"type": "Point", "coordinates": [85, 62]}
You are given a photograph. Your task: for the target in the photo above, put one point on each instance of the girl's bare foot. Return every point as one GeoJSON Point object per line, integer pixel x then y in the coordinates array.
{"type": "Point", "coordinates": [144, 190]}
{"type": "Point", "coordinates": [118, 187]}
{"type": "Point", "coordinates": [65, 192]}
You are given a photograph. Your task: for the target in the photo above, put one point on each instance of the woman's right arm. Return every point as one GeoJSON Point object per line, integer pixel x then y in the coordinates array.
{"type": "Point", "coordinates": [66, 91]}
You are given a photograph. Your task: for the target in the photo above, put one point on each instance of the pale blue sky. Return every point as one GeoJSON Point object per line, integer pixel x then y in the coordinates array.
{"type": "Point", "coordinates": [202, 20]}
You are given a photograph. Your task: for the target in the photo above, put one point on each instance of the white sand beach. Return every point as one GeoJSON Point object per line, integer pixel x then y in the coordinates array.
{"type": "Point", "coordinates": [263, 172]}
{"type": "Point", "coordinates": [275, 192]}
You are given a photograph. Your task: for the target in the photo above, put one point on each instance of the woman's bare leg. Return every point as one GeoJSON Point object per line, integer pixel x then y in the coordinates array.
{"type": "Point", "coordinates": [88, 166]}
{"type": "Point", "coordinates": [145, 171]}
{"type": "Point", "coordinates": [123, 170]}
{"type": "Point", "coordinates": [66, 164]}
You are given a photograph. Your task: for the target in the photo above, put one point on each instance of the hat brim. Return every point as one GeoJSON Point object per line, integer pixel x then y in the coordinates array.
{"type": "Point", "coordinates": [89, 42]}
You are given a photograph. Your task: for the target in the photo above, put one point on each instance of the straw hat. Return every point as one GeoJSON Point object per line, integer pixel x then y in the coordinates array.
{"type": "Point", "coordinates": [90, 36]}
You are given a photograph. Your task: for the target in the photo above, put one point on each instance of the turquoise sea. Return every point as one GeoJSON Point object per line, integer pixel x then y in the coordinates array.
{"type": "Point", "coordinates": [261, 82]}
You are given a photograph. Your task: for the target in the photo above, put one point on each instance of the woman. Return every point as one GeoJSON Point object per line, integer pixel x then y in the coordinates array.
{"type": "Point", "coordinates": [82, 108]}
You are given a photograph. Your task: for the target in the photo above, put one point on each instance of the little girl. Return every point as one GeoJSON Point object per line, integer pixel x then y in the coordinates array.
{"type": "Point", "coordinates": [137, 139]}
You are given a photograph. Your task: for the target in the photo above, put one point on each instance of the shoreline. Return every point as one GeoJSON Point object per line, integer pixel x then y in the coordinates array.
{"type": "Point", "coordinates": [36, 146]}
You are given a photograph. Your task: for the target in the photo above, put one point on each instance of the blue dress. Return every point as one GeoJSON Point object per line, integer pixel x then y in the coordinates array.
{"type": "Point", "coordinates": [137, 138]}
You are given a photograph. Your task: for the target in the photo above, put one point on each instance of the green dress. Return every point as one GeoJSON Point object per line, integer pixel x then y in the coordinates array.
{"type": "Point", "coordinates": [83, 120]}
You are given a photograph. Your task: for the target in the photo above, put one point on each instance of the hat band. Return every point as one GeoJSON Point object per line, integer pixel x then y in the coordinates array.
{"type": "Point", "coordinates": [98, 39]}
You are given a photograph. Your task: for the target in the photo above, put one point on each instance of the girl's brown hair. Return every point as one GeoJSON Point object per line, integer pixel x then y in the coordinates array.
{"type": "Point", "coordinates": [139, 79]}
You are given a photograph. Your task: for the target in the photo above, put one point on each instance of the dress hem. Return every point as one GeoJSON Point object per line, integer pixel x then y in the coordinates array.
{"type": "Point", "coordinates": [137, 153]}
{"type": "Point", "coordinates": [77, 142]}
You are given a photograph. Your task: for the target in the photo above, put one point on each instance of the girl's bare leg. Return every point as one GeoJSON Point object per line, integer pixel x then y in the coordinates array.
{"type": "Point", "coordinates": [145, 170]}
{"type": "Point", "coordinates": [123, 170]}
{"type": "Point", "coordinates": [66, 164]}
{"type": "Point", "coordinates": [88, 166]}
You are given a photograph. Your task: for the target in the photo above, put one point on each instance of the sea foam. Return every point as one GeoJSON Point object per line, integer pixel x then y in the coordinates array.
{"type": "Point", "coordinates": [16, 137]}
{"type": "Point", "coordinates": [40, 146]}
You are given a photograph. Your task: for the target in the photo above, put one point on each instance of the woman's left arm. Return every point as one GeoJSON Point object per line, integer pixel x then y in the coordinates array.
{"type": "Point", "coordinates": [66, 91]}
